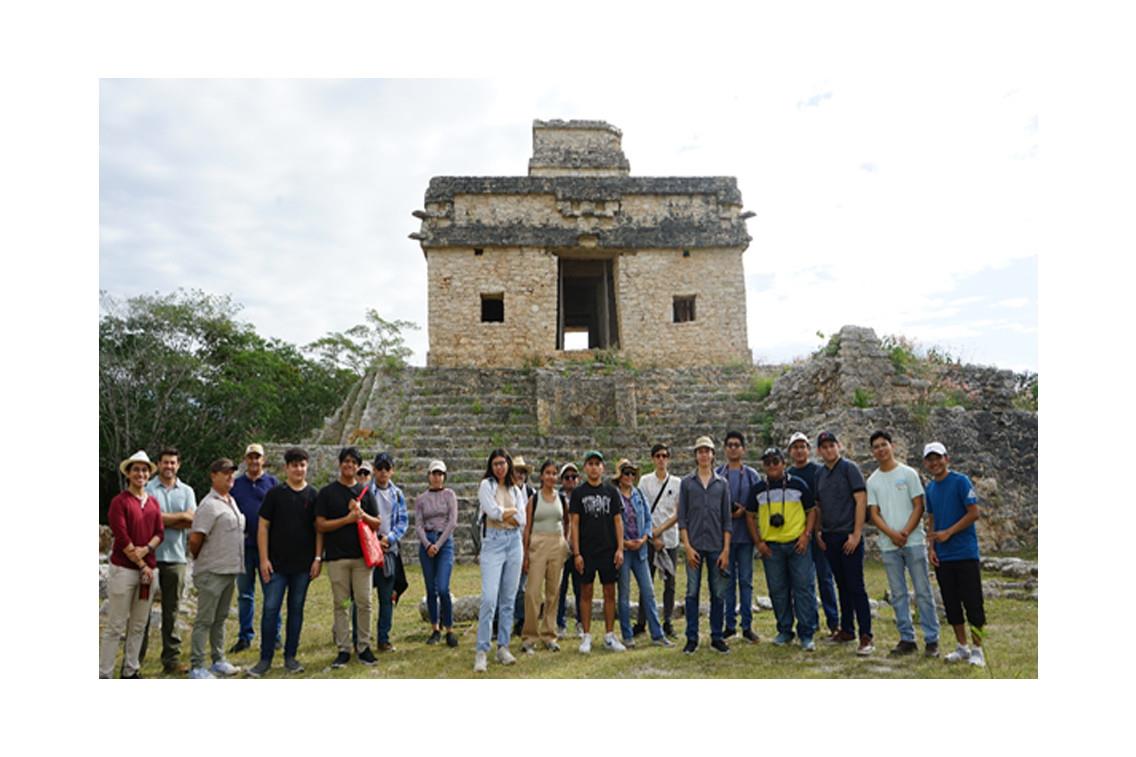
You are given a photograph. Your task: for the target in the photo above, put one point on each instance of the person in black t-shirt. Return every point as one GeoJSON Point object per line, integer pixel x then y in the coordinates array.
{"type": "Point", "coordinates": [338, 508]}
{"type": "Point", "coordinates": [597, 542]}
{"type": "Point", "coordinates": [289, 548]}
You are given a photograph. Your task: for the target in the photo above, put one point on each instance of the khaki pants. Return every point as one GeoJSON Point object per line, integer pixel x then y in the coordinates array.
{"type": "Point", "coordinates": [547, 553]}
{"type": "Point", "coordinates": [126, 612]}
{"type": "Point", "coordinates": [350, 577]}
{"type": "Point", "coordinates": [214, 598]}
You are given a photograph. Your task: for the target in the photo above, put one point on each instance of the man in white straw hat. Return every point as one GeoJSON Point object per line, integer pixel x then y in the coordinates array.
{"type": "Point", "coordinates": [135, 519]}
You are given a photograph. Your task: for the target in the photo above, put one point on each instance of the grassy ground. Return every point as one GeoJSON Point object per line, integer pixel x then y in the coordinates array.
{"type": "Point", "coordinates": [1011, 644]}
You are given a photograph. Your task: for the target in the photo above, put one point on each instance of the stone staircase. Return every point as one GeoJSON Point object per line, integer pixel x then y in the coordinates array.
{"type": "Point", "coordinates": [459, 415]}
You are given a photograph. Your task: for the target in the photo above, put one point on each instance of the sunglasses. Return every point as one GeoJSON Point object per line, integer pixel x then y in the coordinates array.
{"type": "Point", "coordinates": [663, 455]}
{"type": "Point", "coordinates": [570, 477]}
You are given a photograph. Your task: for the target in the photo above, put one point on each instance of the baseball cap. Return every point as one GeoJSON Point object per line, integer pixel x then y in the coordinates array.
{"type": "Point", "coordinates": [772, 453]}
{"type": "Point", "coordinates": [436, 465]}
{"type": "Point", "coordinates": [826, 436]}
{"type": "Point", "coordinates": [222, 465]}
{"type": "Point", "coordinates": [935, 448]}
{"type": "Point", "coordinates": [798, 437]}
{"type": "Point", "coordinates": [593, 453]}
{"type": "Point", "coordinates": [567, 467]}
{"type": "Point", "coordinates": [254, 449]}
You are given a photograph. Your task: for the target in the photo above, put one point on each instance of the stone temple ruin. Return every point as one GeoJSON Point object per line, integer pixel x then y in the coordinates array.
{"type": "Point", "coordinates": [580, 255]}
{"type": "Point", "coordinates": [648, 273]}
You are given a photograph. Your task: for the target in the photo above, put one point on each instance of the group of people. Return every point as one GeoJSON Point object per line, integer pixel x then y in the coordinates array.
{"type": "Point", "coordinates": [804, 521]}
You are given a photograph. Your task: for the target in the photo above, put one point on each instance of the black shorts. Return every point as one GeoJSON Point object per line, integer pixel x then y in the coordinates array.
{"type": "Point", "coordinates": [602, 563]}
{"type": "Point", "coordinates": [961, 584]}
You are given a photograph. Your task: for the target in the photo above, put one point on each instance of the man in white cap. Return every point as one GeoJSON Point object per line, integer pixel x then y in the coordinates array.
{"type": "Point", "coordinates": [216, 541]}
{"type": "Point", "coordinates": [249, 491]}
{"type": "Point", "coordinates": [952, 511]}
{"type": "Point", "coordinates": [660, 489]}
{"type": "Point", "coordinates": [807, 470]}
{"type": "Point", "coordinates": [704, 518]}
{"type": "Point", "coordinates": [135, 519]}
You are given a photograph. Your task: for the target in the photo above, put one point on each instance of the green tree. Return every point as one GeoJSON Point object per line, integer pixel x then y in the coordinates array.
{"type": "Point", "coordinates": [179, 369]}
{"type": "Point", "coordinates": [377, 341]}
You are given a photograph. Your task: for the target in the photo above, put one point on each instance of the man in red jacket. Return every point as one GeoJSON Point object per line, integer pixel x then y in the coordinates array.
{"type": "Point", "coordinates": [135, 519]}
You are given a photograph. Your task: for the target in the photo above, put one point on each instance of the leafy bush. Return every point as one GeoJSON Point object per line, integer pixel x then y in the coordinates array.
{"type": "Point", "coordinates": [759, 388]}
{"type": "Point", "coordinates": [863, 398]}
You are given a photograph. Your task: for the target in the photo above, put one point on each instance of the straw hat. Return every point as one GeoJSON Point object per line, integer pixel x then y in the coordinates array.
{"type": "Point", "coordinates": [138, 457]}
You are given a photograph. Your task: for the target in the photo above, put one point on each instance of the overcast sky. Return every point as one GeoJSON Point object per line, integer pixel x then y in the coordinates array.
{"type": "Point", "coordinates": [904, 205]}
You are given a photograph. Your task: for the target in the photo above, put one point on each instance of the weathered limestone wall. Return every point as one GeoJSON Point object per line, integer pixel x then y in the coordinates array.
{"type": "Point", "coordinates": [457, 278]}
{"type": "Point", "coordinates": [647, 283]}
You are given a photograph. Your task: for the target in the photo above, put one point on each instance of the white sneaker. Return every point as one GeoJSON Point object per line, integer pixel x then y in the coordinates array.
{"type": "Point", "coordinates": [613, 644]}
{"type": "Point", "coordinates": [961, 654]}
{"type": "Point", "coordinates": [200, 673]}
{"type": "Point", "coordinates": [224, 669]}
{"type": "Point", "coordinates": [527, 648]}
{"type": "Point", "coordinates": [480, 663]}
{"type": "Point", "coordinates": [977, 657]}
{"type": "Point", "coordinates": [579, 630]}
{"type": "Point", "coordinates": [586, 644]}
{"type": "Point", "coordinates": [504, 656]}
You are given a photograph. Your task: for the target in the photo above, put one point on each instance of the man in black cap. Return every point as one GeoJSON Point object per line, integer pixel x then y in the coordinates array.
{"type": "Point", "coordinates": [842, 495]}
{"type": "Point", "coordinates": [781, 519]}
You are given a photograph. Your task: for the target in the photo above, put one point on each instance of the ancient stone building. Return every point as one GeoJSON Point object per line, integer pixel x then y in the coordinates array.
{"type": "Point", "coordinates": [580, 255]}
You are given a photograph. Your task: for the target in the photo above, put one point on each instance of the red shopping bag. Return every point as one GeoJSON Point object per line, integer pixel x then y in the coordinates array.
{"type": "Point", "coordinates": [372, 549]}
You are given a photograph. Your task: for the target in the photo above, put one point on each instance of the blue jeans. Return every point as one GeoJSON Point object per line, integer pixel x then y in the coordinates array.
{"type": "Point", "coordinates": [296, 584]}
{"type": "Point", "coordinates": [246, 595]}
{"type": "Point", "coordinates": [914, 560]}
{"type": "Point", "coordinates": [789, 576]}
{"type": "Point", "coordinates": [693, 585]}
{"type": "Point", "coordinates": [636, 562]}
{"type": "Point", "coordinates": [436, 572]}
{"type": "Point", "coordinates": [501, 558]}
{"type": "Point", "coordinates": [385, 585]}
{"type": "Point", "coordinates": [826, 585]}
{"type": "Point", "coordinates": [741, 576]}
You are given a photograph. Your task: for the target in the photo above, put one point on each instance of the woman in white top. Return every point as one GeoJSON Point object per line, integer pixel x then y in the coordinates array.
{"type": "Point", "coordinates": [502, 511]}
{"type": "Point", "coordinates": [545, 552]}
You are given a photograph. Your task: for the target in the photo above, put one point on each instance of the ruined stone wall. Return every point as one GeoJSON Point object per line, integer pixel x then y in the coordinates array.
{"type": "Point", "coordinates": [647, 283]}
{"type": "Point", "coordinates": [457, 278]}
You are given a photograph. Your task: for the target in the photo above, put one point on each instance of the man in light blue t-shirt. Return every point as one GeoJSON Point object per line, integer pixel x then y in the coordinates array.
{"type": "Point", "coordinates": [178, 503]}
{"type": "Point", "coordinates": [895, 507]}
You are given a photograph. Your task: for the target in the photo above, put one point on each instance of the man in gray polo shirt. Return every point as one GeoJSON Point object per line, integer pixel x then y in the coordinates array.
{"type": "Point", "coordinates": [704, 528]}
{"type": "Point", "coordinates": [178, 503]}
{"type": "Point", "coordinates": [217, 543]}
{"type": "Point", "coordinates": [843, 498]}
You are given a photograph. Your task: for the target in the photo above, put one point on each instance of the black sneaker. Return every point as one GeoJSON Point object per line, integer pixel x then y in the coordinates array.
{"type": "Point", "coordinates": [341, 660]}
{"type": "Point", "coordinates": [256, 671]}
{"type": "Point", "coordinates": [691, 645]}
{"type": "Point", "coordinates": [451, 640]}
{"type": "Point", "coordinates": [292, 665]}
{"type": "Point", "coordinates": [749, 636]}
{"type": "Point", "coordinates": [638, 630]}
{"type": "Point", "coordinates": [367, 657]}
{"type": "Point", "coordinates": [903, 648]}
{"type": "Point", "coordinates": [668, 629]}
{"type": "Point", "coordinates": [720, 646]}
{"type": "Point", "coordinates": [932, 650]}
{"type": "Point", "coordinates": [240, 646]}
{"type": "Point", "coordinates": [434, 638]}
{"type": "Point", "coordinates": [730, 633]}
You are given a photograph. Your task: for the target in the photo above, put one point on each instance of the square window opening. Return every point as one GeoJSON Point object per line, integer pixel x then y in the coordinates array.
{"type": "Point", "coordinates": [684, 309]}
{"type": "Point", "coordinates": [493, 308]}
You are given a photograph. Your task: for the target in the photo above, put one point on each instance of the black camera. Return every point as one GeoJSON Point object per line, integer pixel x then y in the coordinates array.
{"type": "Point", "coordinates": [777, 520]}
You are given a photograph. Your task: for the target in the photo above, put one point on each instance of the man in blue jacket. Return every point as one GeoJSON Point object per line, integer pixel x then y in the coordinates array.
{"type": "Point", "coordinates": [742, 480]}
{"type": "Point", "coordinates": [392, 526]}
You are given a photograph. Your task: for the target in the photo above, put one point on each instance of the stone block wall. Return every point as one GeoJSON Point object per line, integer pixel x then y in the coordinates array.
{"type": "Point", "coordinates": [647, 283]}
{"type": "Point", "coordinates": [457, 278]}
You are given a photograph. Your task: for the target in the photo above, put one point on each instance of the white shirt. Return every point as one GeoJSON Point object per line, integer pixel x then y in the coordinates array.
{"type": "Point", "coordinates": [649, 486]}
